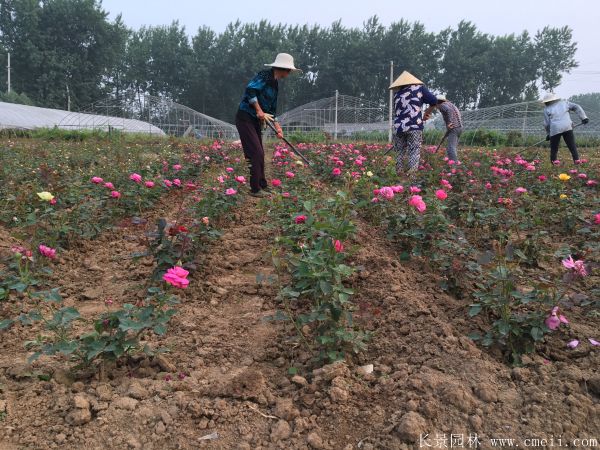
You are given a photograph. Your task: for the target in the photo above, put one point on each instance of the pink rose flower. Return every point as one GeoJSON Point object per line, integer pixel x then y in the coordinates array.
{"type": "Point", "coordinates": [339, 247]}
{"type": "Point", "coordinates": [290, 174]}
{"type": "Point", "coordinates": [230, 191]}
{"type": "Point", "coordinates": [275, 182]}
{"type": "Point", "coordinates": [177, 167]}
{"type": "Point", "coordinates": [109, 185]}
{"type": "Point", "coordinates": [386, 192]}
{"type": "Point", "coordinates": [177, 276]}
{"type": "Point", "coordinates": [552, 322]}
{"type": "Point", "coordinates": [240, 179]}
{"type": "Point", "coordinates": [576, 266]}
{"type": "Point", "coordinates": [115, 194]}
{"type": "Point", "coordinates": [542, 178]}
{"type": "Point", "coordinates": [336, 172]}
{"type": "Point", "coordinates": [521, 190]}
{"type": "Point", "coordinates": [441, 194]}
{"type": "Point", "coordinates": [149, 184]}
{"type": "Point", "coordinates": [414, 190]}
{"type": "Point", "coordinates": [597, 219]}
{"type": "Point", "coordinates": [135, 177]}
{"type": "Point", "coordinates": [229, 169]}
{"type": "Point", "coordinates": [48, 252]}
{"type": "Point", "coordinates": [417, 202]}
{"type": "Point", "coordinates": [177, 182]}
{"type": "Point", "coordinates": [300, 219]}
{"type": "Point", "coordinates": [97, 180]}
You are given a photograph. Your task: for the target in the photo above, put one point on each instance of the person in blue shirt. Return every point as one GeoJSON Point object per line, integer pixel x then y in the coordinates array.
{"type": "Point", "coordinates": [409, 97]}
{"type": "Point", "coordinates": [258, 106]}
{"type": "Point", "coordinates": [557, 122]}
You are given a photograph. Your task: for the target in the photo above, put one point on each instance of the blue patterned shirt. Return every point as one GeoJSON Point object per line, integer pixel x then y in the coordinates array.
{"type": "Point", "coordinates": [262, 88]}
{"type": "Point", "coordinates": [408, 104]}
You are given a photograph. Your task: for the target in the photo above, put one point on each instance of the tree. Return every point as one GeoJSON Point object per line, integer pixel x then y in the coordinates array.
{"type": "Point", "coordinates": [555, 54]}
{"type": "Point", "coordinates": [63, 50]}
{"type": "Point", "coordinates": [463, 65]}
{"type": "Point", "coordinates": [589, 102]}
{"type": "Point", "coordinates": [509, 72]}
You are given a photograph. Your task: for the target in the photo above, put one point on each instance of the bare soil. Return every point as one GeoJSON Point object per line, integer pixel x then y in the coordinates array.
{"type": "Point", "coordinates": [226, 375]}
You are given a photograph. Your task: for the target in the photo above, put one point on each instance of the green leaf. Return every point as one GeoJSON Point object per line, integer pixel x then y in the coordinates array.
{"type": "Point", "coordinates": [5, 324]}
{"type": "Point", "coordinates": [19, 287]}
{"type": "Point", "coordinates": [325, 287]}
{"type": "Point", "coordinates": [131, 325]}
{"type": "Point", "coordinates": [66, 347]}
{"type": "Point", "coordinates": [160, 329]}
{"type": "Point", "coordinates": [292, 370]}
{"type": "Point", "coordinates": [537, 333]}
{"type": "Point", "coordinates": [474, 310]}
{"type": "Point", "coordinates": [503, 327]}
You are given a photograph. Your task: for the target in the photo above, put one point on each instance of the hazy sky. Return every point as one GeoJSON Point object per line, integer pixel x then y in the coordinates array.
{"type": "Point", "coordinates": [494, 17]}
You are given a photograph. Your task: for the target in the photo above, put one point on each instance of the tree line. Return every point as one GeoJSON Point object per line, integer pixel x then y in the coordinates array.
{"type": "Point", "coordinates": [67, 53]}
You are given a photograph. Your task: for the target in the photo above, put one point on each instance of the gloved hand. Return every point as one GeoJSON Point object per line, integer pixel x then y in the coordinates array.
{"type": "Point", "coordinates": [547, 137]}
{"type": "Point", "coordinates": [268, 117]}
{"type": "Point", "coordinates": [585, 121]}
{"type": "Point", "coordinates": [279, 130]}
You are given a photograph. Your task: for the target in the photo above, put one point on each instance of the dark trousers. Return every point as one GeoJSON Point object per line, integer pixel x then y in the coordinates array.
{"type": "Point", "coordinates": [251, 136]}
{"type": "Point", "coordinates": [569, 138]}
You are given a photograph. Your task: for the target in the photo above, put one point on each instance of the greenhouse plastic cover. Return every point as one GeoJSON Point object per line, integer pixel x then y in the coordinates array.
{"type": "Point", "coordinates": [32, 117]}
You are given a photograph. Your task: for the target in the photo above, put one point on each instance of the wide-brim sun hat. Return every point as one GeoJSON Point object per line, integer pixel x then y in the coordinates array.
{"type": "Point", "coordinates": [284, 61]}
{"type": "Point", "coordinates": [551, 97]}
{"type": "Point", "coordinates": [441, 98]}
{"type": "Point", "coordinates": [405, 79]}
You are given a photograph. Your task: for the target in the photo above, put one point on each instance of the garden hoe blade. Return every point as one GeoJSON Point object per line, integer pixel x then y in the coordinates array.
{"type": "Point", "coordinates": [289, 145]}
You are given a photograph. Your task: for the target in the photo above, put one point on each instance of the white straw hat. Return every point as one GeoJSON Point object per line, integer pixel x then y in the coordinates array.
{"type": "Point", "coordinates": [442, 98]}
{"type": "Point", "coordinates": [284, 61]}
{"type": "Point", "coordinates": [551, 97]}
{"type": "Point", "coordinates": [405, 79]}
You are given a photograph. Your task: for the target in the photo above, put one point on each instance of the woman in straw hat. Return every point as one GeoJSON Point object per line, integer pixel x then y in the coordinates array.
{"type": "Point", "coordinates": [409, 98]}
{"type": "Point", "coordinates": [257, 107]}
{"type": "Point", "coordinates": [558, 124]}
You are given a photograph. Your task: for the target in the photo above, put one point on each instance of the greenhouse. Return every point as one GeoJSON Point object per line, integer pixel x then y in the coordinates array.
{"type": "Point", "coordinates": [162, 113]}
{"type": "Point", "coordinates": [23, 117]}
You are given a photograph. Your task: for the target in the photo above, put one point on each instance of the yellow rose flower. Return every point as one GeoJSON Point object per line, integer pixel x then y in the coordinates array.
{"type": "Point", "coordinates": [46, 196]}
{"type": "Point", "coordinates": [369, 173]}
{"type": "Point", "coordinates": [563, 196]}
{"type": "Point", "coordinates": [564, 177]}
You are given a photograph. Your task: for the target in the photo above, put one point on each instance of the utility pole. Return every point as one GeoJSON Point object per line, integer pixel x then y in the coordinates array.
{"type": "Point", "coordinates": [390, 118]}
{"type": "Point", "coordinates": [8, 67]}
{"type": "Point", "coordinates": [335, 129]}
{"type": "Point", "coordinates": [68, 98]}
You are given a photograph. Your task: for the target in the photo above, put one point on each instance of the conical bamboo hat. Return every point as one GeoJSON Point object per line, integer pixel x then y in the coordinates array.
{"type": "Point", "coordinates": [404, 79]}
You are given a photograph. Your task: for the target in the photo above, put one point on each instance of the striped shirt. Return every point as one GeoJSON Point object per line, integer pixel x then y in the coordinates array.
{"type": "Point", "coordinates": [451, 114]}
